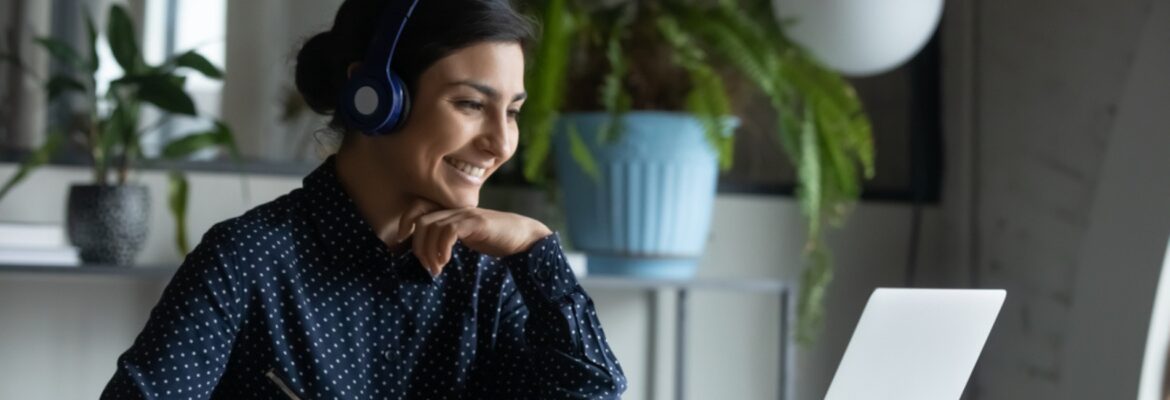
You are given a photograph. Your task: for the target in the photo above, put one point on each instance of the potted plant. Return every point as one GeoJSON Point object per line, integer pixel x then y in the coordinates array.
{"type": "Point", "coordinates": [107, 219]}
{"type": "Point", "coordinates": [634, 98]}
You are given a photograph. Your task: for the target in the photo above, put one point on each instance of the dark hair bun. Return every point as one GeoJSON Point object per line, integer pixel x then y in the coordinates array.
{"type": "Point", "coordinates": [316, 74]}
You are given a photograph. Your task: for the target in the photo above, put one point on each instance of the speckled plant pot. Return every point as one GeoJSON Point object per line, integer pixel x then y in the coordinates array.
{"type": "Point", "coordinates": [108, 224]}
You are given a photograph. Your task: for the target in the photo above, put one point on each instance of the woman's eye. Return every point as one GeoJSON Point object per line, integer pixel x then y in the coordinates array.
{"type": "Point", "coordinates": [513, 113]}
{"type": "Point", "coordinates": [470, 105]}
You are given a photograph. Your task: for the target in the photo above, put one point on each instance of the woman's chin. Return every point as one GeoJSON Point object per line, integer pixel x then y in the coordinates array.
{"type": "Point", "coordinates": [462, 200]}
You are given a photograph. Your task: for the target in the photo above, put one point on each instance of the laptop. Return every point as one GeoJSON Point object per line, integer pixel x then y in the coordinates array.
{"type": "Point", "coordinates": [916, 344]}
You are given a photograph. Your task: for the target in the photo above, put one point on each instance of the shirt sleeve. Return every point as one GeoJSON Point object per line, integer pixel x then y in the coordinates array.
{"type": "Point", "coordinates": [550, 343]}
{"type": "Point", "coordinates": [184, 347]}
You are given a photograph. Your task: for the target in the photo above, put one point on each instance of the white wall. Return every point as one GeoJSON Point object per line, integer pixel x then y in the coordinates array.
{"type": "Point", "coordinates": [263, 39]}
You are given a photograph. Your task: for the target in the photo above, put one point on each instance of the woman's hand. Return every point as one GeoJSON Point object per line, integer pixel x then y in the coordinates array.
{"type": "Point", "coordinates": [490, 232]}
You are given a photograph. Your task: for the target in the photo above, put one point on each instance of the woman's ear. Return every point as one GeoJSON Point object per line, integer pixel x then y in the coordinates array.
{"type": "Point", "coordinates": [353, 67]}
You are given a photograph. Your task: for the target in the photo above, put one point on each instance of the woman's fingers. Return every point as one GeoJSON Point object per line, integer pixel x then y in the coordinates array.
{"type": "Point", "coordinates": [435, 247]}
{"type": "Point", "coordinates": [422, 251]}
{"type": "Point", "coordinates": [414, 222]}
{"type": "Point", "coordinates": [447, 231]}
{"type": "Point", "coordinates": [433, 240]}
{"type": "Point", "coordinates": [409, 221]}
{"type": "Point", "coordinates": [432, 249]}
{"type": "Point", "coordinates": [406, 226]}
{"type": "Point", "coordinates": [436, 230]}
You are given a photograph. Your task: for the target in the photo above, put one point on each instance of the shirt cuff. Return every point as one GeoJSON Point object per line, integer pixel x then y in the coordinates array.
{"type": "Point", "coordinates": [543, 273]}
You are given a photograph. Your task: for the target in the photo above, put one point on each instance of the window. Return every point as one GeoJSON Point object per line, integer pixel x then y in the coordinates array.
{"type": "Point", "coordinates": [171, 27]}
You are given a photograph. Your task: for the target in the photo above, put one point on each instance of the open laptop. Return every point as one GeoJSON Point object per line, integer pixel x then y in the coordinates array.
{"type": "Point", "coordinates": [916, 344]}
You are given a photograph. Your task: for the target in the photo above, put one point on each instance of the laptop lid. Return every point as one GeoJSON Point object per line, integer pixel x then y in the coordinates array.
{"type": "Point", "coordinates": [916, 344]}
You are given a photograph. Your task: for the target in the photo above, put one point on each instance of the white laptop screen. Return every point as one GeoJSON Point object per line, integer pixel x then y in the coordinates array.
{"type": "Point", "coordinates": [913, 344]}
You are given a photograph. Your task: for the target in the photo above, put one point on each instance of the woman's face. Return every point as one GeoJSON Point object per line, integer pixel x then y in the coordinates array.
{"type": "Point", "coordinates": [461, 128]}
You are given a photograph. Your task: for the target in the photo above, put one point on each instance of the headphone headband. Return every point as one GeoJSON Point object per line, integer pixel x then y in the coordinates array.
{"type": "Point", "coordinates": [375, 100]}
{"type": "Point", "coordinates": [385, 41]}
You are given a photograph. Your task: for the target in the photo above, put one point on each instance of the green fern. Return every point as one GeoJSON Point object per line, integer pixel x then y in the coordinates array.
{"type": "Point", "coordinates": [613, 95]}
{"type": "Point", "coordinates": [821, 125]}
{"type": "Point", "coordinates": [707, 100]}
{"type": "Point", "coordinates": [579, 150]}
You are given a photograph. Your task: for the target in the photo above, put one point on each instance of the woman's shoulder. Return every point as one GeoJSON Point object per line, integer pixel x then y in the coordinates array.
{"type": "Point", "coordinates": [277, 218]}
{"type": "Point", "coordinates": [257, 238]}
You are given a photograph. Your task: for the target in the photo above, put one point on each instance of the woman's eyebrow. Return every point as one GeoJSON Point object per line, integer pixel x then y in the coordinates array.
{"type": "Point", "coordinates": [488, 91]}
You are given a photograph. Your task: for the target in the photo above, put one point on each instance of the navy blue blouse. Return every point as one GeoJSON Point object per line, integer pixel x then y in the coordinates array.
{"type": "Point", "coordinates": [298, 298]}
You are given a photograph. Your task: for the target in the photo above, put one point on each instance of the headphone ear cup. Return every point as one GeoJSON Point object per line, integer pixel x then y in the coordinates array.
{"type": "Point", "coordinates": [400, 104]}
{"type": "Point", "coordinates": [366, 103]}
{"type": "Point", "coordinates": [375, 106]}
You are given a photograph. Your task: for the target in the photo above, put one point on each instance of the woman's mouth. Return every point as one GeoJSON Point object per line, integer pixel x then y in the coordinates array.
{"type": "Point", "coordinates": [472, 173]}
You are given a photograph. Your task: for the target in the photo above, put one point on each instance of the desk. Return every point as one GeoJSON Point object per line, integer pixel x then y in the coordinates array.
{"type": "Point", "coordinates": [651, 287]}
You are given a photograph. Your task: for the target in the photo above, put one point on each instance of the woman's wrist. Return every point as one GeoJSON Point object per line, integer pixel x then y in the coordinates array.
{"type": "Point", "coordinates": [539, 232]}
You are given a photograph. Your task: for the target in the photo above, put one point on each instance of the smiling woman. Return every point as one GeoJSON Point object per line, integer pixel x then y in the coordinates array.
{"type": "Point", "coordinates": [381, 277]}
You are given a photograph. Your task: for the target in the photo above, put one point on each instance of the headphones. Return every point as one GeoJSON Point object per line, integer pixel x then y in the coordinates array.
{"type": "Point", "coordinates": [375, 99]}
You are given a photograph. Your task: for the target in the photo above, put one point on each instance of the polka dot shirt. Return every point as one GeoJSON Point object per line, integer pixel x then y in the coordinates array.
{"type": "Point", "coordinates": [299, 299]}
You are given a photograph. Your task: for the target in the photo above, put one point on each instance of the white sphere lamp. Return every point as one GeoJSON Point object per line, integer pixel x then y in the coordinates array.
{"type": "Point", "coordinates": [860, 37]}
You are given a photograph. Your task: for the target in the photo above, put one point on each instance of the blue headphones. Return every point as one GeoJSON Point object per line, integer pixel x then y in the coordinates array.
{"type": "Point", "coordinates": [375, 100]}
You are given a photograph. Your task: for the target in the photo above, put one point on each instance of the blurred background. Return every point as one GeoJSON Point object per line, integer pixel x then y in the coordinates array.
{"type": "Point", "coordinates": [1015, 145]}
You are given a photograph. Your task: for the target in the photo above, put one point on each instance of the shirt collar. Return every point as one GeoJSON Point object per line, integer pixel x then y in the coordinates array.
{"type": "Point", "coordinates": [345, 232]}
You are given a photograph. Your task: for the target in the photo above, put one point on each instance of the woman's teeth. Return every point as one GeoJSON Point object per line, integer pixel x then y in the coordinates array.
{"type": "Point", "coordinates": [466, 168]}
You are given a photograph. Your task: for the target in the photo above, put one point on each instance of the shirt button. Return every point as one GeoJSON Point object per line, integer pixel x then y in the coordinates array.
{"type": "Point", "coordinates": [390, 354]}
{"type": "Point", "coordinates": [543, 272]}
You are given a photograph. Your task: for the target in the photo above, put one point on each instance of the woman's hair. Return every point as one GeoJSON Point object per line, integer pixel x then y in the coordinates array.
{"type": "Point", "coordinates": [435, 29]}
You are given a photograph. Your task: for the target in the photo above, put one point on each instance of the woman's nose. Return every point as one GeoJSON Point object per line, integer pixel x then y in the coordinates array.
{"type": "Point", "coordinates": [495, 138]}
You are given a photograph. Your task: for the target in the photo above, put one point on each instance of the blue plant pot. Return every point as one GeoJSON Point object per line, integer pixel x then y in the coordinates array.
{"type": "Point", "coordinates": [649, 214]}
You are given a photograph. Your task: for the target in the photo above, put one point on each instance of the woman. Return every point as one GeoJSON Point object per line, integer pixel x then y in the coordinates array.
{"type": "Point", "coordinates": [380, 278]}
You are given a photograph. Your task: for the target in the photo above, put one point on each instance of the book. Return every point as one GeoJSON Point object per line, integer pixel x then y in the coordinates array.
{"type": "Point", "coordinates": [32, 235]}
{"type": "Point", "coordinates": [45, 256]}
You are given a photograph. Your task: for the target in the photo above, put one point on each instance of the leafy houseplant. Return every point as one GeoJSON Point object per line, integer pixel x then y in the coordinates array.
{"type": "Point", "coordinates": [107, 219]}
{"type": "Point", "coordinates": [628, 57]}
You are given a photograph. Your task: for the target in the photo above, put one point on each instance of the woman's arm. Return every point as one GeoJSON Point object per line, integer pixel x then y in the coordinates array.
{"type": "Point", "coordinates": [182, 351]}
{"type": "Point", "coordinates": [549, 341]}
